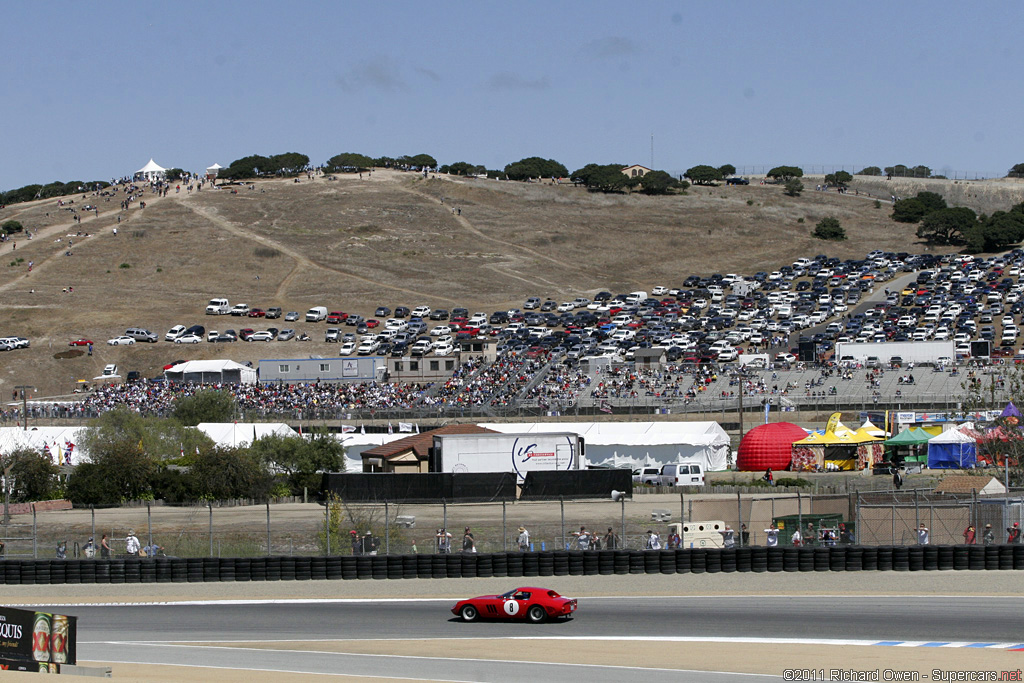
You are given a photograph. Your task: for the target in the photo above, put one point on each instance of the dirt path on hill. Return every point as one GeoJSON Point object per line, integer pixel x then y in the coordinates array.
{"type": "Point", "coordinates": [470, 228]}
{"type": "Point", "coordinates": [88, 218]}
{"type": "Point", "coordinates": [301, 261]}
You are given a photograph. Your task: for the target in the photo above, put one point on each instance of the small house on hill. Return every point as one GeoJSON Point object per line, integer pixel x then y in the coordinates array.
{"type": "Point", "coordinates": [966, 484]}
{"type": "Point", "coordinates": [411, 455]}
{"type": "Point", "coordinates": [636, 171]}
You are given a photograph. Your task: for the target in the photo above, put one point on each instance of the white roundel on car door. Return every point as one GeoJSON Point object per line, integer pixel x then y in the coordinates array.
{"type": "Point", "coordinates": [511, 607]}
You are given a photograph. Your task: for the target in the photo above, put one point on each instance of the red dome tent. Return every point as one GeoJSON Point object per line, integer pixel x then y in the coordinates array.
{"type": "Point", "coordinates": [769, 445]}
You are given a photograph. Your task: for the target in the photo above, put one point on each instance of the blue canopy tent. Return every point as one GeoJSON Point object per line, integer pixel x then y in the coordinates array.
{"type": "Point", "coordinates": [952, 450]}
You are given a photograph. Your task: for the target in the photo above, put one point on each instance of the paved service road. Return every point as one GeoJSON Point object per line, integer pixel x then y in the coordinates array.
{"type": "Point", "coordinates": [147, 633]}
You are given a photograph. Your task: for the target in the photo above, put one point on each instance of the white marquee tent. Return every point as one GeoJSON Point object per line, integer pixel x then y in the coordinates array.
{"type": "Point", "coordinates": [640, 444]}
{"type": "Point", "coordinates": [55, 439]}
{"type": "Point", "coordinates": [152, 171]}
{"type": "Point", "coordinates": [211, 371]}
{"type": "Point", "coordinates": [230, 434]}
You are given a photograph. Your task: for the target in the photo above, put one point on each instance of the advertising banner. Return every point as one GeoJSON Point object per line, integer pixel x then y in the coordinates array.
{"type": "Point", "coordinates": [41, 637]}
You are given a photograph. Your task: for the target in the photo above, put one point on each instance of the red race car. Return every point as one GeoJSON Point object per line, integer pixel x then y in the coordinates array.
{"type": "Point", "coordinates": [533, 604]}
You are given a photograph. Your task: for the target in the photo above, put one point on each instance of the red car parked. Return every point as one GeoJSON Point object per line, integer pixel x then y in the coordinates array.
{"type": "Point", "coordinates": [532, 604]}
{"type": "Point", "coordinates": [80, 342]}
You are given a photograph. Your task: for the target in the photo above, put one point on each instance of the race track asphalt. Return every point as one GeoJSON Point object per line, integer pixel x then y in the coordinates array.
{"type": "Point", "coordinates": [163, 633]}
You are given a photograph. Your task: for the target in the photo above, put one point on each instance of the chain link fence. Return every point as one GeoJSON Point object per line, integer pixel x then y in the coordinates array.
{"type": "Point", "coordinates": [895, 518]}
{"type": "Point", "coordinates": [341, 528]}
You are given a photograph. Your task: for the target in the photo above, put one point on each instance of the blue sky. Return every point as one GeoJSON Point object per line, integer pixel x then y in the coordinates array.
{"type": "Point", "coordinates": [93, 91]}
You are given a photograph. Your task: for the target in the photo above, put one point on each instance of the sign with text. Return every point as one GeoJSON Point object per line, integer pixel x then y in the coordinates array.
{"type": "Point", "coordinates": [42, 637]}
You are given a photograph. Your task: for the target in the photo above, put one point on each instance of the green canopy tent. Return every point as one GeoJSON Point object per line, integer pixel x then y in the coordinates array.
{"type": "Point", "coordinates": [912, 439]}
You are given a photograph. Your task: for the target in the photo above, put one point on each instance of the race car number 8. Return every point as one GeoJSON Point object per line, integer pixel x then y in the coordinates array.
{"type": "Point", "coordinates": [511, 608]}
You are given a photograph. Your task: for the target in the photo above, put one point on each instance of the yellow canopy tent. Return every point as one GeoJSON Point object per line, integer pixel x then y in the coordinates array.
{"type": "Point", "coordinates": [842, 449]}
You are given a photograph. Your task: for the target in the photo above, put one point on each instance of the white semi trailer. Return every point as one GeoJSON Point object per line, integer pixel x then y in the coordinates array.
{"type": "Point", "coordinates": [519, 453]}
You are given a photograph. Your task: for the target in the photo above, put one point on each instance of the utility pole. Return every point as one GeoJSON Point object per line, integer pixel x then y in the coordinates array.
{"type": "Point", "coordinates": [24, 403]}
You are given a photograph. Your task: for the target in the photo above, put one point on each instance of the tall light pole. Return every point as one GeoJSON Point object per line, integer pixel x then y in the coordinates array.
{"type": "Point", "coordinates": [24, 403]}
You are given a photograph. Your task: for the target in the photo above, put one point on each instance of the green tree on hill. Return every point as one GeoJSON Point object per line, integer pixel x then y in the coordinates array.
{"type": "Point", "coordinates": [912, 210]}
{"type": "Point", "coordinates": [839, 178]}
{"type": "Point", "coordinates": [785, 173]}
{"type": "Point", "coordinates": [870, 170]}
{"type": "Point", "coordinates": [829, 229]}
{"type": "Point", "coordinates": [947, 226]}
{"type": "Point", "coordinates": [174, 174]}
{"type": "Point", "coordinates": [348, 160]}
{"type": "Point", "coordinates": [702, 174]}
{"type": "Point", "coordinates": [998, 231]}
{"type": "Point", "coordinates": [419, 161]}
{"type": "Point", "coordinates": [460, 168]}
{"type": "Point", "coordinates": [12, 226]}
{"type": "Point", "coordinates": [727, 170]}
{"type": "Point", "coordinates": [902, 171]}
{"type": "Point", "coordinates": [657, 182]}
{"type": "Point", "coordinates": [603, 177]}
{"type": "Point", "coordinates": [535, 167]}
{"type": "Point", "coordinates": [794, 187]}
{"type": "Point", "coordinates": [1016, 172]}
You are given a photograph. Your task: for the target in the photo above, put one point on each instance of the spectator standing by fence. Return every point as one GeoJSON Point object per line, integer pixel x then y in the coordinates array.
{"type": "Point", "coordinates": [653, 542]}
{"type": "Point", "coordinates": [969, 535]}
{"type": "Point", "coordinates": [104, 548]}
{"type": "Point", "coordinates": [610, 542]}
{"type": "Point", "coordinates": [922, 535]}
{"type": "Point", "coordinates": [1013, 534]}
{"type": "Point", "coordinates": [988, 538]}
{"type": "Point", "coordinates": [131, 543]}
{"type": "Point", "coordinates": [444, 541]}
{"type": "Point", "coordinates": [357, 546]}
{"type": "Point", "coordinates": [468, 542]}
{"type": "Point", "coordinates": [772, 534]}
{"type": "Point", "coordinates": [728, 537]}
{"type": "Point", "coordinates": [523, 539]}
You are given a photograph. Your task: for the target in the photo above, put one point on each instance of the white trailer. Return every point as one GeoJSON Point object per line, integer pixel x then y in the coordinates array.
{"type": "Point", "coordinates": [910, 352]}
{"type": "Point", "coordinates": [519, 453]}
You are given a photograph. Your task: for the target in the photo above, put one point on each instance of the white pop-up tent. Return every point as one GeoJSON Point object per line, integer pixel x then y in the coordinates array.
{"type": "Point", "coordinates": [212, 171]}
{"type": "Point", "coordinates": [152, 171]}
{"type": "Point", "coordinates": [640, 444]}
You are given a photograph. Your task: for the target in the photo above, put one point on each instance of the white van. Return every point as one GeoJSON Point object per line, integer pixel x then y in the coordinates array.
{"type": "Point", "coordinates": [218, 307]}
{"type": "Point", "coordinates": [700, 534]}
{"type": "Point", "coordinates": [636, 297]}
{"type": "Point", "coordinates": [681, 474]}
{"type": "Point", "coordinates": [316, 314]}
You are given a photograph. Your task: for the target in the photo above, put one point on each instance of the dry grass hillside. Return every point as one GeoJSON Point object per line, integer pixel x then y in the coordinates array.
{"type": "Point", "coordinates": [390, 239]}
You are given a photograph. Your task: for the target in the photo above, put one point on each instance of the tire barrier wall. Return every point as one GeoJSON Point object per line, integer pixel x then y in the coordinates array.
{"type": "Point", "coordinates": [516, 565]}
